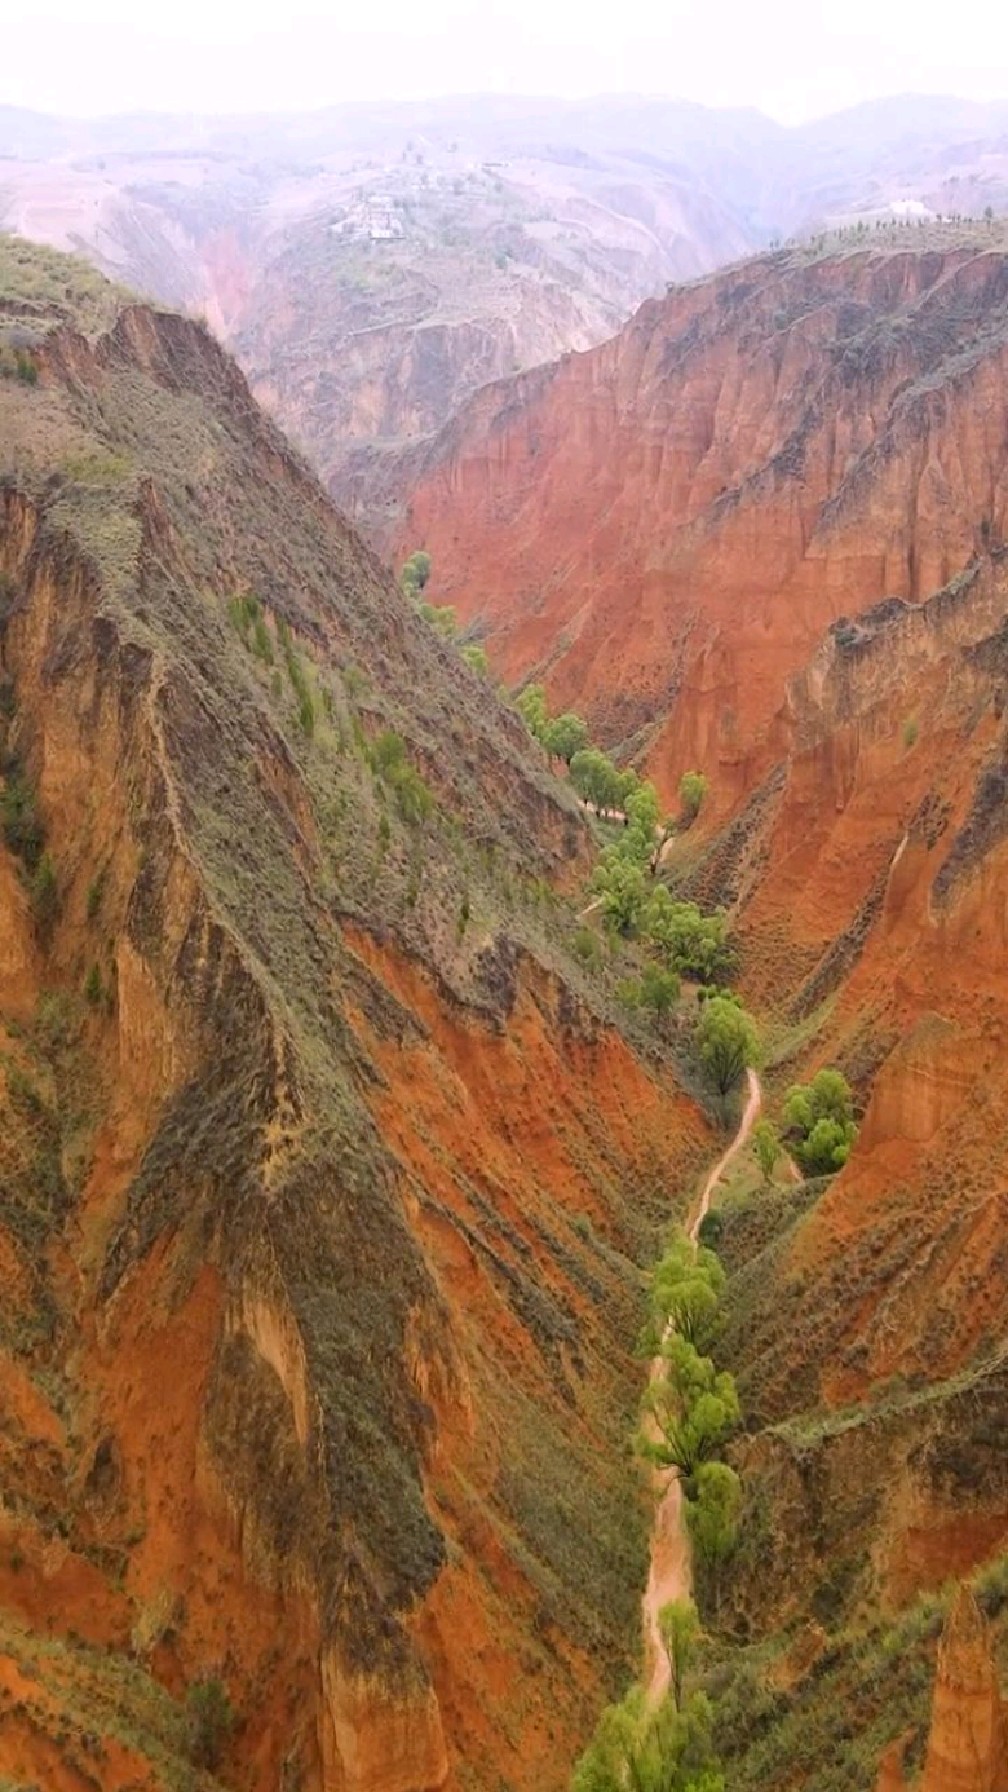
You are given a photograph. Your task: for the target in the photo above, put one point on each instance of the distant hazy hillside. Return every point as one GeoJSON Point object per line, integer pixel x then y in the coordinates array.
{"type": "Point", "coordinates": [372, 266]}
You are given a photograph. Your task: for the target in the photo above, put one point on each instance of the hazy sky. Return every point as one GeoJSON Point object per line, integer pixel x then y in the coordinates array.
{"type": "Point", "coordinates": [792, 58]}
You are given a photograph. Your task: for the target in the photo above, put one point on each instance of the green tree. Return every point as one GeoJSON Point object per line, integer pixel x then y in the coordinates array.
{"type": "Point", "coordinates": [767, 1143]}
{"type": "Point", "coordinates": [596, 779]}
{"type": "Point", "coordinates": [727, 1041]}
{"type": "Point", "coordinates": [643, 810]}
{"type": "Point", "coordinates": [712, 1517]}
{"type": "Point", "coordinates": [639, 1749]}
{"type": "Point", "coordinates": [694, 1407]}
{"type": "Point", "coordinates": [679, 1629]}
{"type": "Point", "coordinates": [476, 658]}
{"type": "Point", "coordinates": [627, 781]}
{"type": "Point", "coordinates": [531, 706]}
{"type": "Point", "coordinates": [692, 943]}
{"type": "Point", "coordinates": [416, 572]}
{"type": "Point", "coordinates": [827, 1147]}
{"type": "Point", "coordinates": [686, 1285]}
{"type": "Point", "coordinates": [621, 885]}
{"type": "Point", "coordinates": [565, 736]}
{"type": "Point", "coordinates": [819, 1117]}
{"type": "Point", "coordinates": [692, 790]}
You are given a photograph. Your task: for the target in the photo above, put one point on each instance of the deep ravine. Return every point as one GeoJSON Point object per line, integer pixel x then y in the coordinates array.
{"type": "Point", "coordinates": [669, 1575]}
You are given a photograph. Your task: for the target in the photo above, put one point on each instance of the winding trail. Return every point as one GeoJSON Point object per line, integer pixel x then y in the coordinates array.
{"type": "Point", "coordinates": [669, 1575]}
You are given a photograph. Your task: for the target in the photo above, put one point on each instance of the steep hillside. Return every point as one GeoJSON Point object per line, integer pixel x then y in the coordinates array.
{"type": "Point", "coordinates": [867, 1317]}
{"type": "Point", "coordinates": [663, 527]}
{"type": "Point", "coordinates": [325, 1173]}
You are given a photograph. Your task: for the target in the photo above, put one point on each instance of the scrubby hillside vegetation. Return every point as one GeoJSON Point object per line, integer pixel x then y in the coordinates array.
{"type": "Point", "coordinates": [329, 1166]}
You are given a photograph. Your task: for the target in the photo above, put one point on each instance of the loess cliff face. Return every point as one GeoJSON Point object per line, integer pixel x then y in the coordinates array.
{"type": "Point", "coordinates": [761, 533]}
{"type": "Point", "coordinates": [324, 1174]}
{"type": "Point", "coordinates": [868, 1316]}
{"type": "Point", "coordinates": [663, 527]}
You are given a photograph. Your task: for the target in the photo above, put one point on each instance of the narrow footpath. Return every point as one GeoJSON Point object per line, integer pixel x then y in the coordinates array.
{"type": "Point", "coordinates": [669, 1576]}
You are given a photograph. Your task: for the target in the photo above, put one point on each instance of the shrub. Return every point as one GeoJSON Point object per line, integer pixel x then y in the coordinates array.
{"type": "Point", "coordinates": [586, 946]}
{"type": "Point", "coordinates": [209, 1722]}
{"type": "Point", "coordinates": [153, 1622]}
{"type": "Point", "coordinates": [22, 826]}
{"type": "Point", "coordinates": [911, 730]}
{"type": "Point", "coordinates": [767, 1146]}
{"type": "Point", "coordinates": [45, 895]}
{"type": "Point", "coordinates": [692, 790]}
{"type": "Point", "coordinates": [659, 990]}
{"type": "Point", "coordinates": [412, 794]}
{"type": "Point", "coordinates": [262, 646]}
{"type": "Point", "coordinates": [442, 618]}
{"type": "Point", "coordinates": [93, 986]}
{"type": "Point", "coordinates": [95, 893]}
{"type": "Point", "coordinates": [477, 659]}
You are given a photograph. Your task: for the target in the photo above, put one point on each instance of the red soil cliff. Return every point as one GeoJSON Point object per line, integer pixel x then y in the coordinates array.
{"type": "Point", "coordinates": [663, 527]}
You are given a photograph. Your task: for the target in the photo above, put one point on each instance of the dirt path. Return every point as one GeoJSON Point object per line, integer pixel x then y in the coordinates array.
{"type": "Point", "coordinates": [669, 1575]}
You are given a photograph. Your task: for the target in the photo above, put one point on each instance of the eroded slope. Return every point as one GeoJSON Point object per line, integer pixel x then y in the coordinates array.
{"type": "Point", "coordinates": [663, 527]}
{"type": "Point", "coordinates": [325, 1174]}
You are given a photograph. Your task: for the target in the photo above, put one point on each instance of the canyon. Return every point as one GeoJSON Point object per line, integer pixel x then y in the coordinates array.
{"type": "Point", "coordinates": [760, 534]}
{"type": "Point", "coordinates": [311, 1082]}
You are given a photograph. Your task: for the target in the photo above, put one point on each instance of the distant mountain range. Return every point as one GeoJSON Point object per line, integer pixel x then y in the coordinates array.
{"type": "Point", "coordinates": [373, 265]}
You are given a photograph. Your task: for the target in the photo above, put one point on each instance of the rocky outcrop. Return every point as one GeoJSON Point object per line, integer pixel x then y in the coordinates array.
{"type": "Point", "coordinates": [374, 1740]}
{"type": "Point", "coordinates": [968, 1745]}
